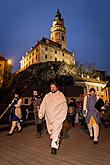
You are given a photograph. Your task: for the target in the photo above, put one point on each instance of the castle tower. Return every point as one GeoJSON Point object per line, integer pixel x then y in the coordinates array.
{"type": "Point", "coordinates": [58, 30]}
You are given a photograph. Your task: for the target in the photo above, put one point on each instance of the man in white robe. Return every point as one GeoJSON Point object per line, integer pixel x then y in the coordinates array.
{"type": "Point", "coordinates": [54, 107]}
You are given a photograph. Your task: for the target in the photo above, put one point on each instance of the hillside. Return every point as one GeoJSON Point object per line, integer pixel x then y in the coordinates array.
{"type": "Point", "coordinates": [39, 75]}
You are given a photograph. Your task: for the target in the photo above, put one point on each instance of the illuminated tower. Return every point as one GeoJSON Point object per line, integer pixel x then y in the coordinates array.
{"type": "Point", "coordinates": [58, 30]}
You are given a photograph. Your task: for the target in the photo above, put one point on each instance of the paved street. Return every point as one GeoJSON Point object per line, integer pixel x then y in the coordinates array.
{"type": "Point", "coordinates": [76, 149]}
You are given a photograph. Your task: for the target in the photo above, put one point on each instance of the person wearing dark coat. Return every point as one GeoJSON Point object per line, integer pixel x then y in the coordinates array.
{"type": "Point", "coordinates": [71, 111]}
{"type": "Point", "coordinates": [36, 100]}
{"type": "Point", "coordinates": [92, 116]}
{"type": "Point", "coordinates": [100, 107]}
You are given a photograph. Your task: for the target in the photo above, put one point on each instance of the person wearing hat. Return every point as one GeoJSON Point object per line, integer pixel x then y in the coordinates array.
{"type": "Point", "coordinates": [16, 114]}
{"type": "Point", "coordinates": [91, 114]}
{"type": "Point", "coordinates": [54, 108]}
{"type": "Point", "coordinates": [36, 100]}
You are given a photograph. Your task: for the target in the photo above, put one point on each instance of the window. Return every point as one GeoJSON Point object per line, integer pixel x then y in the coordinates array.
{"type": "Point", "coordinates": [55, 59]}
{"type": "Point", "coordinates": [47, 41]}
{"type": "Point", "coordinates": [36, 49]}
{"type": "Point", "coordinates": [55, 52]}
{"type": "Point", "coordinates": [62, 38]}
{"type": "Point", "coordinates": [101, 89]}
{"type": "Point", "coordinates": [57, 34]}
{"type": "Point", "coordinates": [36, 57]}
{"type": "Point", "coordinates": [46, 48]}
{"type": "Point", "coordinates": [45, 56]}
{"type": "Point", "coordinates": [97, 88]}
{"type": "Point", "coordinates": [26, 101]}
{"type": "Point", "coordinates": [106, 93]}
{"type": "Point", "coordinates": [63, 54]}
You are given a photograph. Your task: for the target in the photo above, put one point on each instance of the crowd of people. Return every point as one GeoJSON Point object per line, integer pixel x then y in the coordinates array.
{"type": "Point", "coordinates": [56, 114]}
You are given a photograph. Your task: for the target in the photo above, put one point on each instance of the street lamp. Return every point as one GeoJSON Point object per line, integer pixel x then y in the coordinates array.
{"type": "Point", "coordinates": [9, 61]}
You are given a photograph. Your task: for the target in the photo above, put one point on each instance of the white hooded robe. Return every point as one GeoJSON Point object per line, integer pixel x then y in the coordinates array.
{"type": "Point", "coordinates": [54, 107]}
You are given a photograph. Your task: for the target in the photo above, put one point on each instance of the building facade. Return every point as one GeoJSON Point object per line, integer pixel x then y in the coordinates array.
{"type": "Point", "coordinates": [5, 69]}
{"type": "Point", "coordinates": [97, 85]}
{"type": "Point", "coordinates": [107, 93]}
{"type": "Point", "coordinates": [53, 49]}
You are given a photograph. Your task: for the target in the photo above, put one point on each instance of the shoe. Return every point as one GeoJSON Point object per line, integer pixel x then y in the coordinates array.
{"type": "Point", "coordinates": [91, 137]}
{"type": "Point", "coordinates": [20, 130]}
{"type": "Point", "coordinates": [53, 151]}
{"type": "Point", "coordinates": [95, 142]}
{"type": "Point", "coordinates": [38, 135]}
{"type": "Point", "coordinates": [61, 135]}
{"type": "Point", "coordinates": [9, 134]}
{"type": "Point", "coordinates": [60, 142]}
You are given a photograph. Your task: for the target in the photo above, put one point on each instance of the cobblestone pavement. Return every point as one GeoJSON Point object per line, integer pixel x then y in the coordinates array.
{"type": "Point", "coordinates": [76, 149]}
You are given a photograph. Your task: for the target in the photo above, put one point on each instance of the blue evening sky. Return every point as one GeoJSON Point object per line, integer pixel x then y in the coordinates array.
{"type": "Point", "coordinates": [23, 22]}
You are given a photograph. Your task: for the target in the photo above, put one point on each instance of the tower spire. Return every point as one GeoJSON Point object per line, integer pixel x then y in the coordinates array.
{"type": "Point", "coordinates": [58, 14]}
{"type": "Point", "coordinates": [58, 30]}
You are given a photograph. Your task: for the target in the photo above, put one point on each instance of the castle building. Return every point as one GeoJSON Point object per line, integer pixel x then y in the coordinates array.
{"type": "Point", "coordinates": [5, 69]}
{"type": "Point", "coordinates": [53, 49]}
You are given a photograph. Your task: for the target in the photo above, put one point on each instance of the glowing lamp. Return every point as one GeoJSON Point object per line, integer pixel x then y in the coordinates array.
{"type": "Point", "coordinates": [9, 61]}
